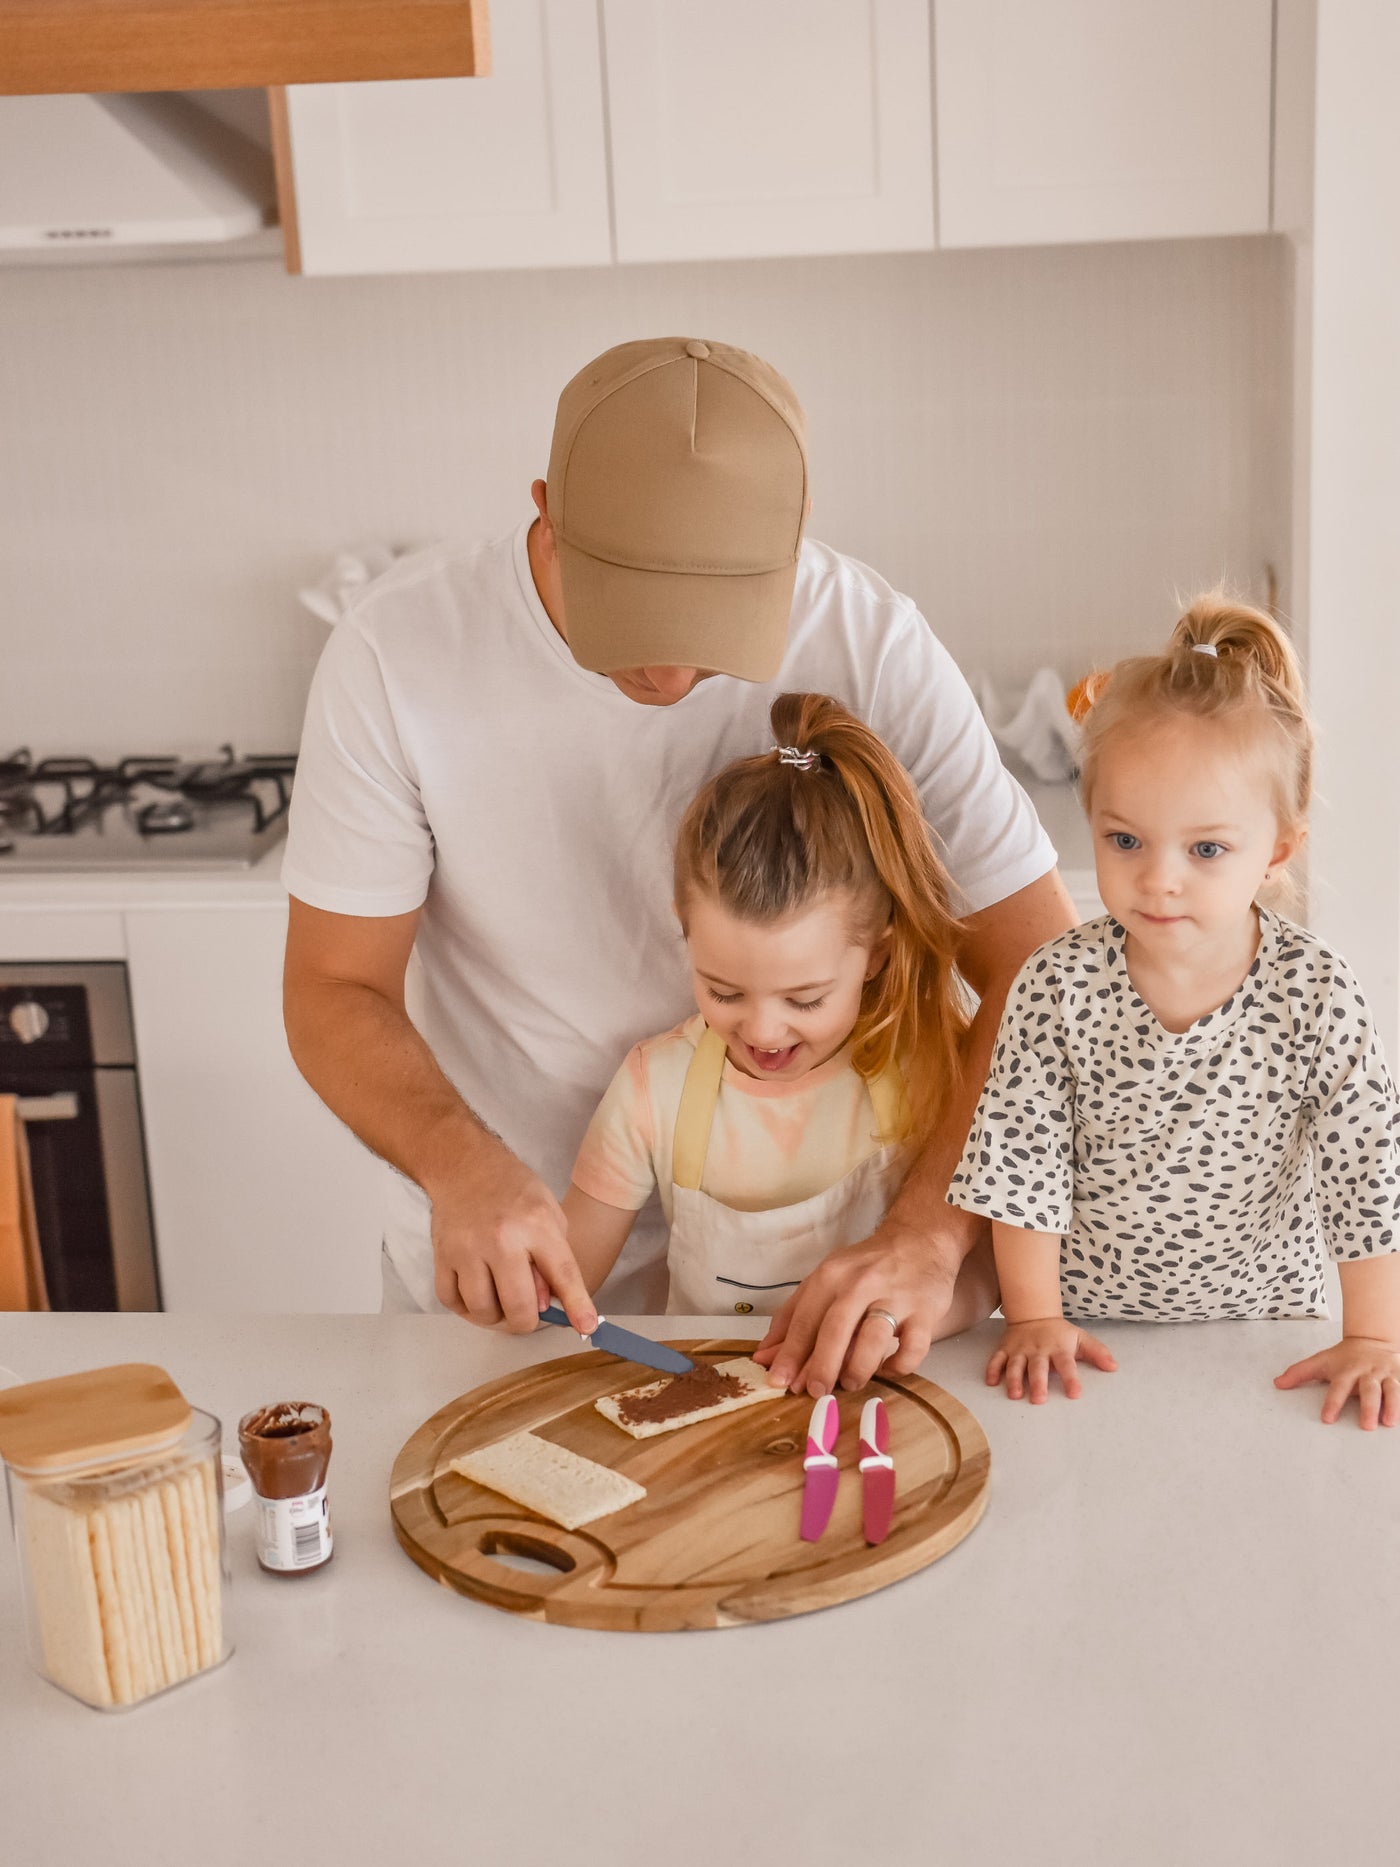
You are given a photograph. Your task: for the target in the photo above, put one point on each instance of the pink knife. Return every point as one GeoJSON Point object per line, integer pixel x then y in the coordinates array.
{"type": "Point", "coordinates": [876, 1471]}
{"type": "Point", "coordinates": [819, 1491]}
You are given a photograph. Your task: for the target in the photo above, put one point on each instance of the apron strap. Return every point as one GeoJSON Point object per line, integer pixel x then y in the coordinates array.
{"type": "Point", "coordinates": [696, 1112]}
{"type": "Point", "coordinates": [886, 1094]}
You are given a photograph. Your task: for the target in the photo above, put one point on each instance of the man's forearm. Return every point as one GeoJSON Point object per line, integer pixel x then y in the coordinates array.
{"type": "Point", "coordinates": [362, 1055]}
{"type": "Point", "coordinates": [922, 1205]}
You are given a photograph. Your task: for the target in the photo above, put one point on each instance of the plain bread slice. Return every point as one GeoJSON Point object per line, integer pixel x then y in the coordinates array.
{"type": "Point", "coordinates": [559, 1484]}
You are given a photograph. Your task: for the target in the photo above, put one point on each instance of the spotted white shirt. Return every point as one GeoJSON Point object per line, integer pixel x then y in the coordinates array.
{"type": "Point", "coordinates": [1194, 1174]}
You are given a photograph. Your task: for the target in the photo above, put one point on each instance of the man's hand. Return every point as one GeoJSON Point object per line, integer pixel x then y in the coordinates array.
{"type": "Point", "coordinates": [1364, 1365]}
{"type": "Point", "coordinates": [824, 1331]}
{"type": "Point", "coordinates": [1029, 1350]}
{"type": "Point", "coordinates": [500, 1245]}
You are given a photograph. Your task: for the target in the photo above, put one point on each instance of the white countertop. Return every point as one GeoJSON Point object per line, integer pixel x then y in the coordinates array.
{"type": "Point", "coordinates": [1057, 805]}
{"type": "Point", "coordinates": [50, 890]}
{"type": "Point", "coordinates": [1059, 810]}
{"type": "Point", "coordinates": [1171, 1639]}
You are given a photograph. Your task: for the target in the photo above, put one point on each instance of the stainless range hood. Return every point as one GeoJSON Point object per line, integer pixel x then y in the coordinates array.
{"type": "Point", "coordinates": [150, 169]}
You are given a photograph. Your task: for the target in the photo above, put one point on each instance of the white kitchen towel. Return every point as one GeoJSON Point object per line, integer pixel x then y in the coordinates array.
{"type": "Point", "coordinates": [344, 578]}
{"type": "Point", "coordinates": [1039, 731]}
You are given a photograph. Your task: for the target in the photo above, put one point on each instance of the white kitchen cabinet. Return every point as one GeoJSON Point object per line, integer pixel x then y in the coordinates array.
{"type": "Point", "coordinates": [60, 934]}
{"type": "Point", "coordinates": [753, 128]}
{"type": "Point", "coordinates": [262, 1200]}
{"type": "Point", "coordinates": [450, 174]}
{"type": "Point", "coordinates": [1064, 120]}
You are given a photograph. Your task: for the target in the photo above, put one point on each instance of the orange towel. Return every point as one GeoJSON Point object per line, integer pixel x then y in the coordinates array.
{"type": "Point", "coordinates": [21, 1267]}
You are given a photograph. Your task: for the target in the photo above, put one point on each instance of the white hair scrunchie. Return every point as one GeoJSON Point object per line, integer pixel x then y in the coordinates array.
{"type": "Point", "coordinates": [1206, 648]}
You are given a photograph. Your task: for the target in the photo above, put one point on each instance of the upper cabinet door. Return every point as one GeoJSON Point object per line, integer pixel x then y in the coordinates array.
{"type": "Point", "coordinates": [450, 174]}
{"type": "Point", "coordinates": [750, 128]}
{"type": "Point", "coordinates": [1101, 119]}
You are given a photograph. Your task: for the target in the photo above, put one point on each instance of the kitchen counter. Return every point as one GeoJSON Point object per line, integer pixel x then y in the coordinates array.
{"type": "Point", "coordinates": [1172, 1638]}
{"type": "Point", "coordinates": [46, 889]}
{"type": "Point", "coordinates": [1059, 810]}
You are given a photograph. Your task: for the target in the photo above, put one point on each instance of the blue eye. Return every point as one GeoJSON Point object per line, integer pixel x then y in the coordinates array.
{"type": "Point", "coordinates": [1123, 839]}
{"type": "Point", "coordinates": [1207, 850]}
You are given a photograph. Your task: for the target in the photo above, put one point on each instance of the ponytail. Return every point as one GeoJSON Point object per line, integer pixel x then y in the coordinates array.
{"type": "Point", "coordinates": [831, 809]}
{"type": "Point", "coordinates": [1224, 661]}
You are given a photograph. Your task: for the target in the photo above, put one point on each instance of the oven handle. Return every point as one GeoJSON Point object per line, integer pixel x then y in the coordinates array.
{"type": "Point", "coordinates": [60, 1107]}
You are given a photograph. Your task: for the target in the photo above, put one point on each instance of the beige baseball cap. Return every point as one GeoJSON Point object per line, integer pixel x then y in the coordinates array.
{"type": "Point", "coordinates": [677, 490]}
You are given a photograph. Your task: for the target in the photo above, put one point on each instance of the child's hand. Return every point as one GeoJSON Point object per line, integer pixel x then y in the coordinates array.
{"type": "Point", "coordinates": [1364, 1363]}
{"type": "Point", "coordinates": [1029, 1350]}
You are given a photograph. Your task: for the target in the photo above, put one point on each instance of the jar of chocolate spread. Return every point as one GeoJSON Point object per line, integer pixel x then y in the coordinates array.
{"type": "Point", "coordinates": [286, 1449]}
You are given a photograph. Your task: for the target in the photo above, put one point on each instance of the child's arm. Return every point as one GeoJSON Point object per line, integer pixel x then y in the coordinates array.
{"type": "Point", "coordinates": [597, 1233]}
{"type": "Point", "coordinates": [1037, 1336]}
{"type": "Point", "coordinates": [1355, 1137]}
{"type": "Point", "coordinates": [1367, 1359]}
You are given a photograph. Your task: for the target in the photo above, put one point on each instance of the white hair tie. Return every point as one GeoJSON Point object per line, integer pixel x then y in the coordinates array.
{"type": "Point", "coordinates": [1206, 648]}
{"type": "Point", "coordinates": [795, 756]}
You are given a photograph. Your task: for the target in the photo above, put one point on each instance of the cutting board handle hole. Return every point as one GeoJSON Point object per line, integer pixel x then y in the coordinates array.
{"type": "Point", "coordinates": [527, 1553]}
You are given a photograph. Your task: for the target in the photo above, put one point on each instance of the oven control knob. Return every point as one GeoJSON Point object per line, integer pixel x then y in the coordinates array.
{"type": "Point", "coordinates": [28, 1020]}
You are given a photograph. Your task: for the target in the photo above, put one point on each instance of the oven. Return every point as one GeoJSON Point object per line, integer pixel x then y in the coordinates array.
{"type": "Point", "coordinates": [67, 1052]}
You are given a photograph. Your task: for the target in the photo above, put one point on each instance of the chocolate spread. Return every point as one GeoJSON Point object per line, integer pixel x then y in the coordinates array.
{"type": "Point", "coordinates": [701, 1387]}
{"type": "Point", "coordinates": [286, 1449]}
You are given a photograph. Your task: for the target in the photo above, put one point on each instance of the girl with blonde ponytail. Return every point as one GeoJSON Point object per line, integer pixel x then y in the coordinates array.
{"type": "Point", "coordinates": [1188, 1109]}
{"type": "Point", "coordinates": [778, 1122]}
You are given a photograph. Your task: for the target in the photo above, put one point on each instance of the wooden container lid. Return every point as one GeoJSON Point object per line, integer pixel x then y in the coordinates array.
{"type": "Point", "coordinates": [101, 1415]}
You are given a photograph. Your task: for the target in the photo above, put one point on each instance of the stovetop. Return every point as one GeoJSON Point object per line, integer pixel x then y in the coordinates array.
{"type": "Point", "coordinates": [144, 813]}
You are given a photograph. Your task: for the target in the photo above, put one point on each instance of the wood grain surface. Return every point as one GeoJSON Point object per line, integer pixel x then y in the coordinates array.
{"type": "Point", "coordinates": [715, 1541]}
{"type": "Point", "coordinates": [209, 45]}
{"type": "Point", "coordinates": [97, 1415]}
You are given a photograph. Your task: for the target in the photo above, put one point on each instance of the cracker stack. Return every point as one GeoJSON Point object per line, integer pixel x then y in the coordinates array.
{"type": "Point", "coordinates": [118, 1509]}
{"type": "Point", "coordinates": [125, 1578]}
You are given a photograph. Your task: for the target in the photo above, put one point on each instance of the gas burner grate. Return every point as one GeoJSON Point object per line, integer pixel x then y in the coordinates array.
{"type": "Point", "coordinates": [232, 799]}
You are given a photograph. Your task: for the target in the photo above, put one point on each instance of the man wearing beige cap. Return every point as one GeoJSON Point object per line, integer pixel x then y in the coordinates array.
{"type": "Point", "coordinates": [499, 743]}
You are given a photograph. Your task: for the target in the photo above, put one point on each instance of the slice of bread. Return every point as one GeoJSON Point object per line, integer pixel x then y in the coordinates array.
{"type": "Point", "coordinates": [755, 1388]}
{"type": "Point", "coordinates": [558, 1484]}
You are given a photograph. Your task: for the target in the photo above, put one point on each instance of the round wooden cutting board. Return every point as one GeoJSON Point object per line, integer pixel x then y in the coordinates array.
{"type": "Point", "coordinates": [715, 1540]}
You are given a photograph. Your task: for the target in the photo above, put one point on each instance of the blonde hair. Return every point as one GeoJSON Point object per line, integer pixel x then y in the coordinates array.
{"type": "Point", "coordinates": [768, 839]}
{"type": "Point", "coordinates": [1252, 684]}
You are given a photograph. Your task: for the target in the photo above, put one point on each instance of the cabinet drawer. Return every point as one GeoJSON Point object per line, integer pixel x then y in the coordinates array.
{"type": "Point", "coordinates": [61, 934]}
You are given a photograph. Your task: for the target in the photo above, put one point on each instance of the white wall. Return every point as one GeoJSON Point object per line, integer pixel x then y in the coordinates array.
{"type": "Point", "coordinates": [1041, 445]}
{"type": "Point", "coordinates": [1354, 496]}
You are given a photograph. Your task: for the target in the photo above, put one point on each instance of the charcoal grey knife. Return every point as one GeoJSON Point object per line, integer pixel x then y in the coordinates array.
{"type": "Point", "coordinates": [625, 1345]}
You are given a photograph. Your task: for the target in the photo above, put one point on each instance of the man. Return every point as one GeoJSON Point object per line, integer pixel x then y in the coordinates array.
{"type": "Point", "coordinates": [499, 744]}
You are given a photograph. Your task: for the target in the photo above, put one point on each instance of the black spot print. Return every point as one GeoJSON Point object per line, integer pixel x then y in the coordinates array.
{"type": "Point", "coordinates": [1194, 1174]}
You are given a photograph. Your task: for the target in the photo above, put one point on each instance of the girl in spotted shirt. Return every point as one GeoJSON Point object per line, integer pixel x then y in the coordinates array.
{"type": "Point", "coordinates": [1188, 1109]}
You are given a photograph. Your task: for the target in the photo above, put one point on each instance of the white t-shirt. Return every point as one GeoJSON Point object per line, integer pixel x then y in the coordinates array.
{"type": "Point", "coordinates": [1192, 1174]}
{"type": "Point", "coordinates": [771, 1143]}
{"type": "Point", "coordinates": [455, 756]}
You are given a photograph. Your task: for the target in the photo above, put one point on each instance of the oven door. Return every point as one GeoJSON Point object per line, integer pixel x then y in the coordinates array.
{"type": "Point", "coordinates": [91, 1210]}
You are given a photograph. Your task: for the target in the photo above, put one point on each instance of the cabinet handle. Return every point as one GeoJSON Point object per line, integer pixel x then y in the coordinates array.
{"type": "Point", "coordinates": [61, 1107]}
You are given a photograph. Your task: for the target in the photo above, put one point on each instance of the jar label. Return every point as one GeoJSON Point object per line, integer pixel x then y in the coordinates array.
{"type": "Point", "coordinates": [294, 1532]}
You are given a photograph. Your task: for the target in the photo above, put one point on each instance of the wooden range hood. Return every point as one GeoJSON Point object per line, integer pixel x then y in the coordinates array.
{"type": "Point", "coordinates": [49, 46]}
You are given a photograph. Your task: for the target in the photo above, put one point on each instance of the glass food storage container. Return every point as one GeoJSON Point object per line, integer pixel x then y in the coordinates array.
{"type": "Point", "coordinates": [115, 1494]}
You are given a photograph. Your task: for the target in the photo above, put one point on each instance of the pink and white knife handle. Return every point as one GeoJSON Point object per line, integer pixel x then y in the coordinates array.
{"type": "Point", "coordinates": [875, 1437]}
{"type": "Point", "coordinates": [822, 1430]}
